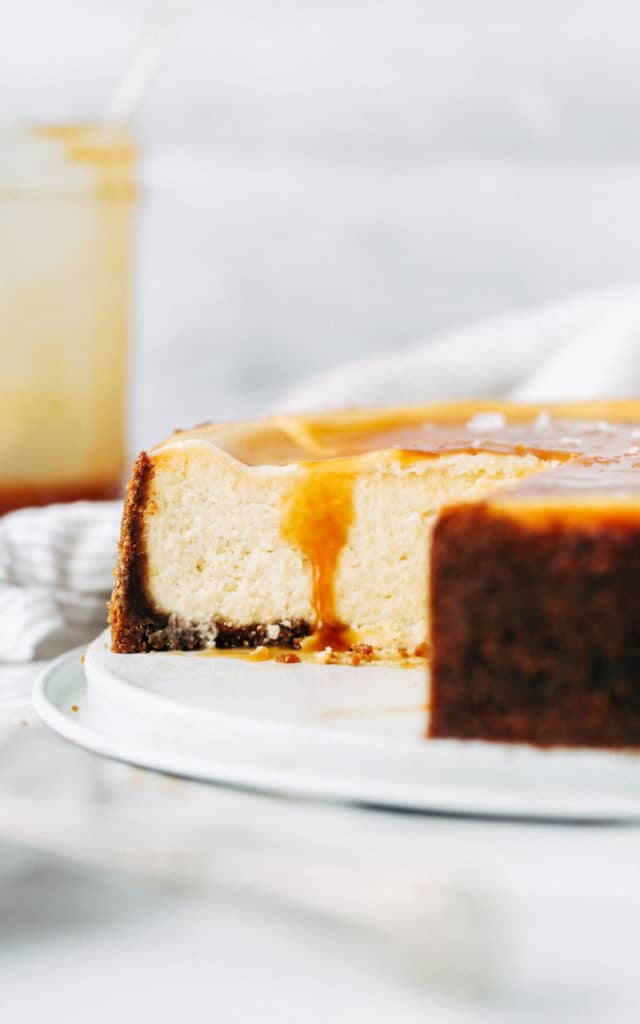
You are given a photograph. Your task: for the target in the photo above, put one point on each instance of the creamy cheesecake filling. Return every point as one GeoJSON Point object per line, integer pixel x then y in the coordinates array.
{"type": "Point", "coordinates": [341, 545]}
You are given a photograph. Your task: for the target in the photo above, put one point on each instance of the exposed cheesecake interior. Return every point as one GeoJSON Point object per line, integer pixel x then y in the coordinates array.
{"type": "Point", "coordinates": [316, 529]}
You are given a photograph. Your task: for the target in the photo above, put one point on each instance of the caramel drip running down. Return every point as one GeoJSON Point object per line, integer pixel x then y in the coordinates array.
{"type": "Point", "coordinates": [317, 521]}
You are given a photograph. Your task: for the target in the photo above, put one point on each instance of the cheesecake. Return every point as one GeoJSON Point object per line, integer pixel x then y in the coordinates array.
{"type": "Point", "coordinates": [315, 532]}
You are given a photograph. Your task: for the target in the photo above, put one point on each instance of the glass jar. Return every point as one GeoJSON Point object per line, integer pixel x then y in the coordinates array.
{"type": "Point", "coordinates": [67, 195]}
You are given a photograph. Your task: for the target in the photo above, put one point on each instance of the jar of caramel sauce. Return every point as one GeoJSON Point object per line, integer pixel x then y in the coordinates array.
{"type": "Point", "coordinates": [67, 196]}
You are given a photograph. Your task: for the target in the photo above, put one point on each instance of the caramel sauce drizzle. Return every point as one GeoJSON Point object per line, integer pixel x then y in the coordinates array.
{"type": "Point", "coordinates": [317, 521]}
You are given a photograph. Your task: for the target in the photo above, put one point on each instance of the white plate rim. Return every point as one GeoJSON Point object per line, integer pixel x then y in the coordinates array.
{"type": "Point", "coordinates": [437, 798]}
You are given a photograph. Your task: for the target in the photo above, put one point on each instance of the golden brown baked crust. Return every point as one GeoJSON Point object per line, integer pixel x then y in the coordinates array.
{"type": "Point", "coordinates": [535, 628]}
{"type": "Point", "coordinates": [130, 615]}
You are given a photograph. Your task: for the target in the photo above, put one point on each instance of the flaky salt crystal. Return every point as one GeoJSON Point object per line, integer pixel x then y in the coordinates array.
{"type": "Point", "coordinates": [486, 421]}
{"type": "Point", "coordinates": [542, 420]}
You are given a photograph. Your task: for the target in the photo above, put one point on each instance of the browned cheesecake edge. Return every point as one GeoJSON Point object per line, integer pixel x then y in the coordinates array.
{"type": "Point", "coordinates": [130, 613]}
{"type": "Point", "coordinates": [535, 630]}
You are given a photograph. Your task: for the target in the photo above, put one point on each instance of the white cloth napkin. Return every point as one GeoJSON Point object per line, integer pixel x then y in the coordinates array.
{"type": "Point", "coordinates": [56, 572]}
{"type": "Point", "coordinates": [56, 563]}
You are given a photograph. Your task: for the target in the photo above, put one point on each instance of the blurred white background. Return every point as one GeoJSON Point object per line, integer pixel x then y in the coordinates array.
{"type": "Point", "coordinates": [325, 180]}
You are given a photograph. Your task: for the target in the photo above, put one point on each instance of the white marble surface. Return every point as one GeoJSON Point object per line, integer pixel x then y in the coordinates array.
{"type": "Point", "coordinates": [323, 181]}
{"type": "Point", "coordinates": [555, 931]}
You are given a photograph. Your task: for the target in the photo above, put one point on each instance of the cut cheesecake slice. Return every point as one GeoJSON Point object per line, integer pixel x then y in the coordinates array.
{"type": "Point", "coordinates": [535, 597]}
{"type": "Point", "coordinates": [316, 530]}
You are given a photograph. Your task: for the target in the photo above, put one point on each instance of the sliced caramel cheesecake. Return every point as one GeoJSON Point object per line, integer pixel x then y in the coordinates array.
{"type": "Point", "coordinates": [316, 530]}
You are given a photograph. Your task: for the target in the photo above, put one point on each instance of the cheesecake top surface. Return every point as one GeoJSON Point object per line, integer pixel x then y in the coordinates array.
{"type": "Point", "coordinates": [601, 440]}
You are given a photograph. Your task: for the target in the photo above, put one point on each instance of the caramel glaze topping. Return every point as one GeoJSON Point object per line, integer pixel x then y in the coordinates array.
{"type": "Point", "coordinates": [317, 521]}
